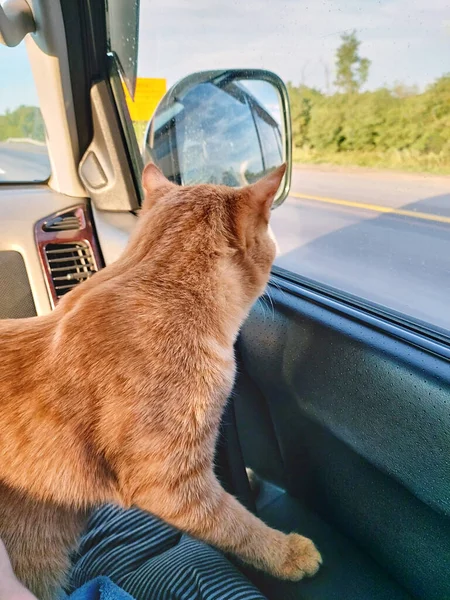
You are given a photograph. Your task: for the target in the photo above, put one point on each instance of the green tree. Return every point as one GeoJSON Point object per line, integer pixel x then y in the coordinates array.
{"type": "Point", "coordinates": [23, 122]}
{"type": "Point", "coordinates": [351, 70]}
{"type": "Point", "coordinates": [302, 99]}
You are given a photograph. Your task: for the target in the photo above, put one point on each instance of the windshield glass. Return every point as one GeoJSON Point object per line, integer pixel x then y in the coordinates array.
{"type": "Point", "coordinates": [23, 152]}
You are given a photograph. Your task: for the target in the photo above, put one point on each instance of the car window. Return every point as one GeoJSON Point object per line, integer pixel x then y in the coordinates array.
{"type": "Point", "coordinates": [368, 216]}
{"type": "Point", "coordinates": [23, 153]}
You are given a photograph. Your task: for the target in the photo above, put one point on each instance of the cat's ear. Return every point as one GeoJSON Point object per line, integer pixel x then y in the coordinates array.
{"type": "Point", "coordinates": [262, 193]}
{"type": "Point", "coordinates": [153, 178]}
{"type": "Point", "coordinates": [153, 181]}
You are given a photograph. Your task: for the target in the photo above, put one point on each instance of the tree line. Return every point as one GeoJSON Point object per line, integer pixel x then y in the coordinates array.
{"type": "Point", "coordinates": [23, 122]}
{"type": "Point", "coordinates": [389, 127]}
{"type": "Point", "coordinates": [376, 127]}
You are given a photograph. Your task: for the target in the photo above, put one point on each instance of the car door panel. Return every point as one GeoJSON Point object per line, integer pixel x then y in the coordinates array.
{"type": "Point", "coordinates": [360, 422]}
{"type": "Point", "coordinates": [347, 573]}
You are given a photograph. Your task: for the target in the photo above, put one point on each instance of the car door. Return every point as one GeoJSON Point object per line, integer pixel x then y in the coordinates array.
{"type": "Point", "coordinates": [344, 416]}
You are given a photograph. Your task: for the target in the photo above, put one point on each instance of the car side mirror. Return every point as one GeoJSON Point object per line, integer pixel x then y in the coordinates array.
{"type": "Point", "coordinates": [224, 127]}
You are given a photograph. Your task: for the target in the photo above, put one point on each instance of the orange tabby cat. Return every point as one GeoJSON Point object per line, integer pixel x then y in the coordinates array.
{"type": "Point", "coordinates": [117, 395]}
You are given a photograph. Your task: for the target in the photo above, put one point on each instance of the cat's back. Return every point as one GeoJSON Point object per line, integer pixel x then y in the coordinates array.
{"type": "Point", "coordinates": [45, 446]}
{"type": "Point", "coordinates": [23, 344]}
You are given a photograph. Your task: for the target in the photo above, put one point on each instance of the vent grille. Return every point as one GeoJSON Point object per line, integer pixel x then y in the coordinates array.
{"type": "Point", "coordinates": [68, 249]}
{"type": "Point", "coordinates": [69, 264]}
{"type": "Point", "coordinates": [69, 221]}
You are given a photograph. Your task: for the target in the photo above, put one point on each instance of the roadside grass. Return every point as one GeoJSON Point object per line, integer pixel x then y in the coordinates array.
{"type": "Point", "coordinates": [404, 160]}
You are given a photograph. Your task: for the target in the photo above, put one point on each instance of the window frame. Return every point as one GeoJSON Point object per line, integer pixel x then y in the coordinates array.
{"type": "Point", "coordinates": [392, 322]}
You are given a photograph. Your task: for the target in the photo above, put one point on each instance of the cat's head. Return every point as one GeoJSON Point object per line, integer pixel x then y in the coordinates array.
{"type": "Point", "coordinates": [196, 224]}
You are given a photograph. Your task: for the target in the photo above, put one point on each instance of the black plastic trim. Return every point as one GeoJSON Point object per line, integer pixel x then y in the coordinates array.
{"type": "Point", "coordinates": [129, 137]}
{"type": "Point", "coordinates": [85, 28]}
{"type": "Point", "coordinates": [391, 323]}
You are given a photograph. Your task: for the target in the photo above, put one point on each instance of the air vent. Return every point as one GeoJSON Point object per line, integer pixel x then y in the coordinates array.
{"type": "Point", "coordinates": [69, 221]}
{"type": "Point", "coordinates": [68, 249]}
{"type": "Point", "coordinates": [68, 265]}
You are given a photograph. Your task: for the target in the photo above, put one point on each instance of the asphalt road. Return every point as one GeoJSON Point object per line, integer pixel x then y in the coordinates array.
{"type": "Point", "coordinates": [21, 162]}
{"type": "Point", "coordinates": [334, 228]}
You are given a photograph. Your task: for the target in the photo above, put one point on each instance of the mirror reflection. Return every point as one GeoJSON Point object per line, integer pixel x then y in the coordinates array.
{"type": "Point", "coordinates": [225, 129]}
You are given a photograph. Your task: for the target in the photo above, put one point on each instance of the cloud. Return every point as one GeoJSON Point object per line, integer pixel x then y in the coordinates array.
{"type": "Point", "coordinates": [404, 39]}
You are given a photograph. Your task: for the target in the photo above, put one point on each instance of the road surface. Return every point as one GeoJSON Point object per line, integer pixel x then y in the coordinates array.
{"type": "Point", "coordinates": [22, 162]}
{"type": "Point", "coordinates": [334, 228]}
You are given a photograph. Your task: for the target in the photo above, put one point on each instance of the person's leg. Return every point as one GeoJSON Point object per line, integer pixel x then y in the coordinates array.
{"type": "Point", "coordinates": [38, 537]}
{"type": "Point", "coordinates": [151, 560]}
{"type": "Point", "coordinates": [10, 586]}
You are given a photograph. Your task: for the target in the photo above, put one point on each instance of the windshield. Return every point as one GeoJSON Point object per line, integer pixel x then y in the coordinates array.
{"type": "Point", "coordinates": [23, 152]}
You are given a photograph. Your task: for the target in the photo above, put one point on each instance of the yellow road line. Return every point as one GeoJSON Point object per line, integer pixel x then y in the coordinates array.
{"type": "Point", "coordinates": [374, 207]}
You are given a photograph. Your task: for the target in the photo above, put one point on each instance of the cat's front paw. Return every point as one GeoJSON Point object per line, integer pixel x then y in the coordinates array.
{"type": "Point", "coordinates": [302, 560]}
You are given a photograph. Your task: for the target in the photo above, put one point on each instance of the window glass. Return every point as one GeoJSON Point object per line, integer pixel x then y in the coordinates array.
{"type": "Point", "coordinates": [23, 153]}
{"type": "Point", "coordinates": [123, 19]}
{"type": "Point", "coordinates": [369, 86]}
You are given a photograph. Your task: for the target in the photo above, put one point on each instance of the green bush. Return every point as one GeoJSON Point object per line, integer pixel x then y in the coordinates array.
{"type": "Point", "coordinates": [384, 122]}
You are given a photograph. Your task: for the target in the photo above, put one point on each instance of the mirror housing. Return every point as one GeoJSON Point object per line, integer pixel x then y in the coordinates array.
{"type": "Point", "coordinates": [228, 127]}
{"type": "Point", "coordinates": [16, 20]}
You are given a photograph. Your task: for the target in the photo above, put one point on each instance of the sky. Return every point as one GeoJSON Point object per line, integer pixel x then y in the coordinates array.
{"type": "Point", "coordinates": [407, 41]}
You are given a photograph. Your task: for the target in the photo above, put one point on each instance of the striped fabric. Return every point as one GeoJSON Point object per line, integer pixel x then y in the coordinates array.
{"type": "Point", "coordinates": [152, 561]}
